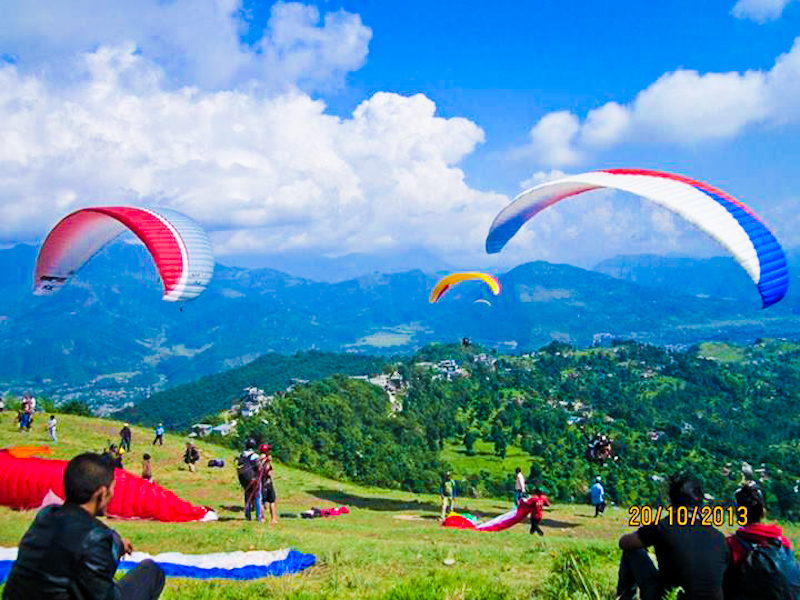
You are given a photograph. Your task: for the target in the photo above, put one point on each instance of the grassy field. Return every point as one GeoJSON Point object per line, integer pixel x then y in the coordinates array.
{"type": "Point", "coordinates": [485, 459]}
{"type": "Point", "coordinates": [722, 352]}
{"type": "Point", "coordinates": [389, 547]}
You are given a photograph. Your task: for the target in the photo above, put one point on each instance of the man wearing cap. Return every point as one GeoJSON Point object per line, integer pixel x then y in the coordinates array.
{"type": "Point", "coordinates": [159, 439]}
{"type": "Point", "coordinates": [598, 493]}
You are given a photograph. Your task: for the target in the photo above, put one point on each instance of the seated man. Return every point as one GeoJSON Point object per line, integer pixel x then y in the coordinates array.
{"type": "Point", "coordinates": [750, 581]}
{"type": "Point", "coordinates": [691, 556]}
{"type": "Point", "coordinates": [69, 554]}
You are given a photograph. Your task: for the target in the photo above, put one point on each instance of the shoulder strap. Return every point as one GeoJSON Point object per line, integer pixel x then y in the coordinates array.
{"type": "Point", "coordinates": [748, 546]}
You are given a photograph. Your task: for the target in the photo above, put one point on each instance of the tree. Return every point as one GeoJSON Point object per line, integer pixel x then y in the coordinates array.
{"type": "Point", "coordinates": [470, 438]}
{"type": "Point", "coordinates": [498, 436]}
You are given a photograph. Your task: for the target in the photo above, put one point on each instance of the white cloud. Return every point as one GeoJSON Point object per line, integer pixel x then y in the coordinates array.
{"type": "Point", "coordinates": [683, 107]}
{"type": "Point", "coordinates": [552, 139]}
{"type": "Point", "coordinates": [196, 42]}
{"type": "Point", "coordinates": [264, 173]}
{"type": "Point", "coordinates": [542, 177]}
{"type": "Point", "coordinates": [760, 11]}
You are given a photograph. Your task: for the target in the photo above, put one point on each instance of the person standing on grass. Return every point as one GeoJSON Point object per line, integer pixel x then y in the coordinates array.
{"type": "Point", "coordinates": [147, 468]}
{"type": "Point", "coordinates": [267, 483]}
{"type": "Point", "coordinates": [448, 492]}
{"type": "Point", "coordinates": [159, 439]}
{"type": "Point", "coordinates": [125, 436]}
{"type": "Point", "coordinates": [598, 493]}
{"type": "Point", "coordinates": [249, 474]}
{"type": "Point", "coordinates": [51, 429]}
{"type": "Point", "coordinates": [537, 502]}
{"type": "Point", "coordinates": [69, 554]}
{"type": "Point", "coordinates": [519, 487]}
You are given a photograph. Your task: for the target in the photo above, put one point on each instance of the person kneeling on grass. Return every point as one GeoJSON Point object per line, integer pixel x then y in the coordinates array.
{"type": "Point", "coordinates": [692, 556]}
{"type": "Point", "coordinates": [191, 456]}
{"type": "Point", "coordinates": [69, 554]}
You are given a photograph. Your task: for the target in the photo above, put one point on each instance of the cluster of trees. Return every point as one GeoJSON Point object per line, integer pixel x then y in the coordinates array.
{"type": "Point", "coordinates": [344, 429]}
{"type": "Point", "coordinates": [666, 411]}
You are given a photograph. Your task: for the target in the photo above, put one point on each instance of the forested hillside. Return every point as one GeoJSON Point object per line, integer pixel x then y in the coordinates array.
{"type": "Point", "coordinates": [181, 406]}
{"type": "Point", "coordinates": [705, 411]}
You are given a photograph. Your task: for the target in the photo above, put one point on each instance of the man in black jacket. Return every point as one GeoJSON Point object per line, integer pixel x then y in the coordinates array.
{"type": "Point", "coordinates": [691, 555]}
{"type": "Point", "coordinates": [69, 554]}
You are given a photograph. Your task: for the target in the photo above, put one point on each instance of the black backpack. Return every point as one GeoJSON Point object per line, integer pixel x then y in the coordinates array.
{"type": "Point", "coordinates": [245, 469]}
{"type": "Point", "coordinates": [768, 572]}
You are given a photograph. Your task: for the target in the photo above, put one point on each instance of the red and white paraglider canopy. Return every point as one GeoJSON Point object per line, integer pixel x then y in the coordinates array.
{"type": "Point", "coordinates": [179, 246]}
{"type": "Point", "coordinates": [734, 225]}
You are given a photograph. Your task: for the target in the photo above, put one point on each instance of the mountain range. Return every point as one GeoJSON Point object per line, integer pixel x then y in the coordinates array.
{"type": "Point", "coordinates": [108, 338]}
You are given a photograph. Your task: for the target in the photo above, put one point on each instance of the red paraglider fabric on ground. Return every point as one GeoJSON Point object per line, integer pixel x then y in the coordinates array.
{"type": "Point", "coordinates": [24, 483]}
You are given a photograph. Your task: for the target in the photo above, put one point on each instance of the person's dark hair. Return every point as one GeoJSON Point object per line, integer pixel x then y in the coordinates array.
{"type": "Point", "coordinates": [519, 470]}
{"type": "Point", "coordinates": [84, 475]}
{"type": "Point", "coordinates": [146, 456]}
{"type": "Point", "coordinates": [685, 491]}
{"type": "Point", "coordinates": [751, 498]}
{"type": "Point", "coordinates": [250, 444]}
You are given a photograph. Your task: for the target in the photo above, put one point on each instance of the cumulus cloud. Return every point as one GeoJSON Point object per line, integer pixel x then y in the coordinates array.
{"type": "Point", "coordinates": [760, 11]}
{"type": "Point", "coordinates": [196, 42]}
{"type": "Point", "coordinates": [552, 140]}
{"type": "Point", "coordinates": [264, 173]}
{"type": "Point", "coordinates": [683, 107]}
{"type": "Point", "coordinates": [542, 177]}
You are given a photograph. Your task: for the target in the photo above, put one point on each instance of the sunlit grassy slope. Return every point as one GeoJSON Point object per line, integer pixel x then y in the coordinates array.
{"type": "Point", "coordinates": [390, 546]}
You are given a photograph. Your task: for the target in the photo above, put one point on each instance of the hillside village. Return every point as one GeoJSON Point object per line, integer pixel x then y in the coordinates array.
{"type": "Point", "coordinates": [253, 400]}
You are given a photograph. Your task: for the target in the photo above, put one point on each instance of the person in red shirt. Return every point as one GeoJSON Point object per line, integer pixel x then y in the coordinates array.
{"type": "Point", "coordinates": [537, 502]}
{"type": "Point", "coordinates": [753, 533]}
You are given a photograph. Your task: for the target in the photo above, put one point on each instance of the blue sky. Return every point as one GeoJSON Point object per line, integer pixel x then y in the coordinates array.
{"type": "Point", "coordinates": [373, 127]}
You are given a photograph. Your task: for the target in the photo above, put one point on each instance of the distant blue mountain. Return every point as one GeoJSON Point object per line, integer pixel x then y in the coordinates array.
{"type": "Point", "coordinates": [107, 336]}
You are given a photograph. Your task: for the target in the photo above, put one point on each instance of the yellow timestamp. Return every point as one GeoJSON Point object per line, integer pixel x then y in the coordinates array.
{"type": "Point", "coordinates": [708, 516]}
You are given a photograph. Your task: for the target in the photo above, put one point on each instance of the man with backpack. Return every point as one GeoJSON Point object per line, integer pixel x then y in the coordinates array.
{"type": "Point", "coordinates": [691, 555]}
{"type": "Point", "coordinates": [448, 492]}
{"type": "Point", "coordinates": [249, 473]}
{"type": "Point", "coordinates": [762, 564]}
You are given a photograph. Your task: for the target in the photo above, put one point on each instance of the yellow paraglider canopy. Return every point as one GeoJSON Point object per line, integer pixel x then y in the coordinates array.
{"type": "Point", "coordinates": [446, 282]}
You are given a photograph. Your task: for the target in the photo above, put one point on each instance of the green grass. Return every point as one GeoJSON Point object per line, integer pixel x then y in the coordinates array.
{"type": "Point", "coordinates": [723, 352]}
{"type": "Point", "coordinates": [485, 459]}
{"type": "Point", "coordinates": [391, 546]}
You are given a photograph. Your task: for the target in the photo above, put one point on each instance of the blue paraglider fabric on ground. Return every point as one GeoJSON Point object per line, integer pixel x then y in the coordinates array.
{"type": "Point", "coordinates": [223, 565]}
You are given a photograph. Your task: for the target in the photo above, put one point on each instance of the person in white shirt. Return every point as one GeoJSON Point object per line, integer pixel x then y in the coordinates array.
{"type": "Point", "coordinates": [51, 428]}
{"type": "Point", "coordinates": [520, 488]}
